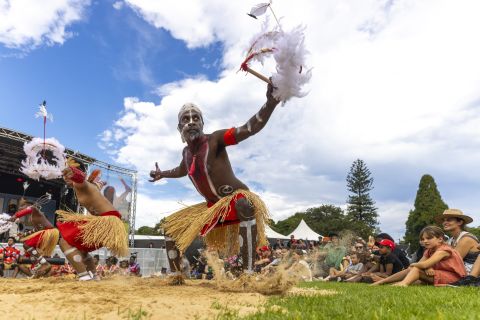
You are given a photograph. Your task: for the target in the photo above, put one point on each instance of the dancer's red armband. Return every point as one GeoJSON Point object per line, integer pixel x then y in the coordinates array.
{"type": "Point", "coordinates": [229, 137]}
{"type": "Point", "coordinates": [78, 175]}
{"type": "Point", "coordinates": [23, 212]}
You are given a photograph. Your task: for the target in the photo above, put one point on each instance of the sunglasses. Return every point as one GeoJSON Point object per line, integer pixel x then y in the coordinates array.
{"type": "Point", "coordinates": [358, 247]}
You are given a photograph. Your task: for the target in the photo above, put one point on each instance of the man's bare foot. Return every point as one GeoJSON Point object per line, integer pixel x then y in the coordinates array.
{"type": "Point", "coordinates": [43, 270]}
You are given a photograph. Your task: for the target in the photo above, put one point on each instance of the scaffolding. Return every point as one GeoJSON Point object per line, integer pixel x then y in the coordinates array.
{"type": "Point", "coordinates": [11, 155]}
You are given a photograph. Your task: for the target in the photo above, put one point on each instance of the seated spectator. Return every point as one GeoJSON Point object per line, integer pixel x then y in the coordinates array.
{"type": "Point", "coordinates": [440, 264]}
{"type": "Point", "coordinates": [123, 268]}
{"type": "Point", "coordinates": [98, 266]}
{"type": "Point", "coordinates": [111, 266]}
{"type": "Point", "coordinates": [278, 245]}
{"type": "Point", "coordinates": [354, 268]}
{"type": "Point", "coordinates": [301, 245]}
{"type": "Point", "coordinates": [292, 243]}
{"type": "Point", "coordinates": [300, 267]}
{"type": "Point", "coordinates": [133, 266]}
{"type": "Point", "coordinates": [63, 271]}
{"type": "Point", "coordinates": [388, 264]}
{"type": "Point", "coordinates": [466, 244]}
{"type": "Point", "coordinates": [397, 251]}
{"type": "Point", "coordinates": [335, 254]}
{"type": "Point", "coordinates": [9, 256]}
{"type": "Point", "coordinates": [265, 257]}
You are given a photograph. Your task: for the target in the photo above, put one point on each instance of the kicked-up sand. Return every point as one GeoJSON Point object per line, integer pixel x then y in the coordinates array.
{"type": "Point", "coordinates": [119, 298]}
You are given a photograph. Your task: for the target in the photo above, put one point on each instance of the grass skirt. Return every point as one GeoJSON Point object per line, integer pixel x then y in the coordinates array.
{"type": "Point", "coordinates": [44, 241]}
{"type": "Point", "coordinates": [97, 231]}
{"type": "Point", "coordinates": [185, 225]}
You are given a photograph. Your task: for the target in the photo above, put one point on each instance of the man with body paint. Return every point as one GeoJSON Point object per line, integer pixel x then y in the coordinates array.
{"type": "Point", "coordinates": [82, 234]}
{"type": "Point", "coordinates": [39, 242]}
{"type": "Point", "coordinates": [232, 218]}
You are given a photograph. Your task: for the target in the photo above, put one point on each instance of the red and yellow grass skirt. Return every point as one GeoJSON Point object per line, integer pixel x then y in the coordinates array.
{"type": "Point", "coordinates": [217, 222]}
{"type": "Point", "coordinates": [44, 241]}
{"type": "Point", "coordinates": [88, 232]}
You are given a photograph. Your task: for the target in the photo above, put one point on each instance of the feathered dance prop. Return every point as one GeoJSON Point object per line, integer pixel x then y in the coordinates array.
{"type": "Point", "coordinates": [288, 50]}
{"type": "Point", "coordinates": [5, 225]}
{"type": "Point", "coordinates": [36, 165]}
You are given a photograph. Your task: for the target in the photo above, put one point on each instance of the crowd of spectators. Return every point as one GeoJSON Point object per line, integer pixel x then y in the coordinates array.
{"type": "Point", "coordinates": [448, 256]}
{"type": "Point", "coordinates": [18, 261]}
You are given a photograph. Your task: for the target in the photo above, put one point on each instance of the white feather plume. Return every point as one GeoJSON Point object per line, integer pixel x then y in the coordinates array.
{"type": "Point", "coordinates": [291, 74]}
{"type": "Point", "coordinates": [43, 113]}
{"type": "Point", "coordinates": [5, 225]}
{"type": "Point", "coordinates": [35, 166]}
{"type": "Point", "coordinates": [259, 9]}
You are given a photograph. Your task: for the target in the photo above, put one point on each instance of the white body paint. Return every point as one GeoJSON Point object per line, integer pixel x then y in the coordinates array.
{"type": "Point", "coordinates": [249, 224]}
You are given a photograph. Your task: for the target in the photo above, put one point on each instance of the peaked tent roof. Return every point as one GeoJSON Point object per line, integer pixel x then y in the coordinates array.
{"type": "Point", "coordinates": [304, 232]}
{"type": "Point", "coordinates": [271, 234]}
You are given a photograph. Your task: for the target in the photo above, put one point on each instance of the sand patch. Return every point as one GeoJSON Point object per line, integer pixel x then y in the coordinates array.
{"type": "Point", "coordinates": [119, 298]}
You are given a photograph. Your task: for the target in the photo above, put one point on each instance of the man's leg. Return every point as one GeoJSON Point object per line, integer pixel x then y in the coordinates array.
{"type": "Point", "coordinates": [75, 258]}
{"type": "Point", "coordinates": [89, 263]}
{"type": "Point", "coordinates": [173, 255]}
{"type": "Point", "coordinates": [248, 233]}
{"type": "Point", "coordinates": [43, 266]}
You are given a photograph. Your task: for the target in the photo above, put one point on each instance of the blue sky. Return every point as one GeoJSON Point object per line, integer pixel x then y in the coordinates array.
{"type": "Point", "coordinates": [112, 54]}
{"type": "Point", "coordinates": [395, 83]}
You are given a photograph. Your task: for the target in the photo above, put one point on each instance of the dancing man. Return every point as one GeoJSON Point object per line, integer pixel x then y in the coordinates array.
{"type": "Point", "coordinates": [232, 218]}
{"type": "Point", "coordinates": [82, 234]}
{"type": "Point", "coordinates": [42, 240]}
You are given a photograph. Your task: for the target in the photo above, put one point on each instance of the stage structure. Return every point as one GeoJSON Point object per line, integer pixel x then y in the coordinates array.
{"type": "Point", "coordinates": [12, 182]}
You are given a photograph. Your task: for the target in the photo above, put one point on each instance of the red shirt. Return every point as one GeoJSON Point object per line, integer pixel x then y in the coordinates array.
{"type": "Point", "coordinates": [10, 254]}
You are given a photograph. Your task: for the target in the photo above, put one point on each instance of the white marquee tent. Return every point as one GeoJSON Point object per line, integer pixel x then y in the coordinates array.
{"type": "Point", "coordinates": [304, 232]}
{"type": "Point", "coordinates": [273, 234]}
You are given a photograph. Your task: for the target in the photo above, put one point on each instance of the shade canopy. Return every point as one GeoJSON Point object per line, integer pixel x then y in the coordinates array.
{"type": "Point", "coordinates": [304, 232]}
{"type": "Point", "coordinates": [271, 234]}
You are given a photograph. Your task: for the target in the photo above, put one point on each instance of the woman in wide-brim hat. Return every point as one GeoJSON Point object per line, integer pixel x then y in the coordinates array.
{"type": "Point", "coordinates": [453, 222]}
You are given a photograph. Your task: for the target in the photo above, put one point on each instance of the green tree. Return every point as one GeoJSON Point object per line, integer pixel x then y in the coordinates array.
{"type": "Point", "coordinates": [428, 204]}
{"type": "Point", "coordinates": [145, 230]}
{"type": "Point", "coordinates": [323, 220]}
{"type": "Point", "coordinates": [361, 210]}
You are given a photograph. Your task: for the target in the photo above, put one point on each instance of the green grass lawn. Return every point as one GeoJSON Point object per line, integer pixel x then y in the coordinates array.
{"type": "Point", "coordinates": [360, 301]}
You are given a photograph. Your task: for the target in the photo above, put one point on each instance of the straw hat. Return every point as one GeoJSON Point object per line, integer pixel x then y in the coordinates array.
{"type": "Point", "coordinates": [453, 213]}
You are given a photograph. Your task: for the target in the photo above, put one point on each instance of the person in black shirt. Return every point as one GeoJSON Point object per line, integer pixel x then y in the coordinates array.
{"type": "Point", "coordinates": [389, 264]}
{"type": "Point", "coordinates": [396, 251]}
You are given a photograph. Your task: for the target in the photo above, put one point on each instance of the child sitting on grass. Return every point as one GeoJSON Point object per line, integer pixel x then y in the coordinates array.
{"type": "Point", "coordinates": [440, 263]}
{"type": "Point", "coordinates": [388, 264]}
{"type": "Point", "coordinates": [353, 269]}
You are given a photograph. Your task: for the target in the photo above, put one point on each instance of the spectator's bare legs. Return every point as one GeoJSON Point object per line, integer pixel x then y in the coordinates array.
{"type": "Point", "coordinates": [476, 268]}
{"type": "Point", "coordinates": [248, 233]}
{"type": "Point", "coordinates": [396, 277]}
{"type": "Point", "coordinates": [413, 275]}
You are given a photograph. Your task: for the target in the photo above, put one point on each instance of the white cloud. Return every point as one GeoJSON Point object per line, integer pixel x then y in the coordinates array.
{"type": "Point", "coordinates": [394, 83]}
{"type": "Point", "coordinates": [27, 24]}
{"type": "Point", "coordinates": [118, 5]}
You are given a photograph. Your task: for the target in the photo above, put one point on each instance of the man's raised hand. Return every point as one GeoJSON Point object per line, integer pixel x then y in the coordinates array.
{"type": "Point", "coordinates": [155, 174]}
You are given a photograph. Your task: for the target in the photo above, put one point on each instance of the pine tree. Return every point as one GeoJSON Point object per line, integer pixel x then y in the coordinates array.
{"type": "Point", "coordinates": [428, 204]}
{"type": "Point", "coordinates": [361, 209]}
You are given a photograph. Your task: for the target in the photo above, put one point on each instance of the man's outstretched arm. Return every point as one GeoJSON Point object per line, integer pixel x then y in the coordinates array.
{"type": "Point", "coordinates": [178, 172]}
{"type": "Point", "coordinates": [256, 123]}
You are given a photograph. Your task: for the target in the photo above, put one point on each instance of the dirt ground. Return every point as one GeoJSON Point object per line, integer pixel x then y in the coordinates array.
{"type": "Point", "coordinates": [119, 298]}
